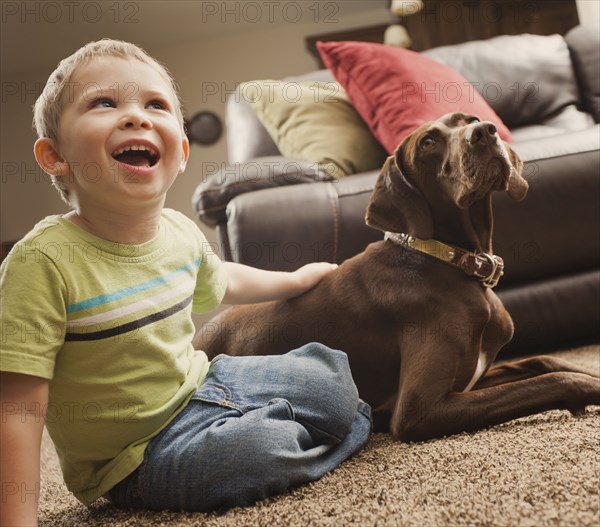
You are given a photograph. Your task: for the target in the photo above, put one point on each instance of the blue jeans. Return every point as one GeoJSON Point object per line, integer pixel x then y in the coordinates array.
{"type": "Point", "coordinates": [255, 427]}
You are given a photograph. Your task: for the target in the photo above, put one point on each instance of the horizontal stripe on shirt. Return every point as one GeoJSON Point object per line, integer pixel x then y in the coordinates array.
{"type": "Point", "coordinates": [132, 290]}
{"type": "Point", "coordinates": [130, 326]}
{"type": "Point", "coordinates": [180, 290]}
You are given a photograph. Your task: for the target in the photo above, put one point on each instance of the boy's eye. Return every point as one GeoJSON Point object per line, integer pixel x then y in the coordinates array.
{"type": "Point", "coordinates": [103, 103]}
{"type": "Point", "coordinates": [157, 105]}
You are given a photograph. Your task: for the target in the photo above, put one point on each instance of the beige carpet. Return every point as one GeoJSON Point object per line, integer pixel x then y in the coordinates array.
{"type": "Point", "coordinates": [536, 471]}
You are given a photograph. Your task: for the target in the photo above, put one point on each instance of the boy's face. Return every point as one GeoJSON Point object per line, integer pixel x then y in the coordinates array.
{"type": "Point", "coordinates": [120, 135]}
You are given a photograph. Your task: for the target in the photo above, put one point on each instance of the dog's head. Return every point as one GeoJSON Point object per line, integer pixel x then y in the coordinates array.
{"type": "Point", "coordinates": [452, 162]}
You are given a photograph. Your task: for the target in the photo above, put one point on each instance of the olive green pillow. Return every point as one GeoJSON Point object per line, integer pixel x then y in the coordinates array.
{"type": "Point", "coordinates": [315, 121]}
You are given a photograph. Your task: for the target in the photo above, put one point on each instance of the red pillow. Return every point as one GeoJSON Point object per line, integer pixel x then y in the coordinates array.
{"type": "Point", "coordinates": [396, 90]}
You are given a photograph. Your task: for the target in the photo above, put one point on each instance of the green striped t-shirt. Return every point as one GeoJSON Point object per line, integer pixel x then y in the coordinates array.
{"type": "Point", "coordinates": [110, 325]}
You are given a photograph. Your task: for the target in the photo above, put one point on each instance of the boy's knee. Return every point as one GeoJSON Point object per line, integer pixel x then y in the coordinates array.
{"type": "Point", "coordinates": [331, 397]}
{"type": "Point", "coordinates": [327, 365]}
{"type": "Point", "coordinates": [331, 373]}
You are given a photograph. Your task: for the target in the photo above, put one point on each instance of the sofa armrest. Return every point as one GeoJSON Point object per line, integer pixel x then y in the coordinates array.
{"type": "Point", "coordinates": [220, 187]}
{"type": "Point", "coordinates": [285, 228]}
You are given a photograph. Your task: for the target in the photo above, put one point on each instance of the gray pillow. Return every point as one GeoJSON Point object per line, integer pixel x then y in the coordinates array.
{"type": "Point", "coordinates": [524, 78]}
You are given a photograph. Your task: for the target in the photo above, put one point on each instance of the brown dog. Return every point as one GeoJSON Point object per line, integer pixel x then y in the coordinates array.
{"type": "Point", "coordinates": [416, 313]}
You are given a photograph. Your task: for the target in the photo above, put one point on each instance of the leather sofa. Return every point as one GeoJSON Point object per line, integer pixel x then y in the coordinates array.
{"type": "Point", "coordinates": [278, 213]}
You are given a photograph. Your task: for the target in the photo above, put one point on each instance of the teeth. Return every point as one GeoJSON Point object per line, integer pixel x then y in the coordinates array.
{"type": "Point", "coordinates": [135, 147]}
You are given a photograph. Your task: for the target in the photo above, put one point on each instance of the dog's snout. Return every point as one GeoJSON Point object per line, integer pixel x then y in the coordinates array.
{"type": "Point", "coordinates": [481, 133]}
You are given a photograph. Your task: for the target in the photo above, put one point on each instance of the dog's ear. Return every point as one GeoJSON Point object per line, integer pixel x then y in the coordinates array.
{"type": "Point", "coordinates": [396, 205]}
{"type": "Point", "coordinates": [517, 186]}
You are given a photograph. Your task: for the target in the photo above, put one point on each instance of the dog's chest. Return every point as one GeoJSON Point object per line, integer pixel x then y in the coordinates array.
{"type": "Point", "coordinates": [498, 332]}
{"type": "Point", "coordinates": [482, 364]}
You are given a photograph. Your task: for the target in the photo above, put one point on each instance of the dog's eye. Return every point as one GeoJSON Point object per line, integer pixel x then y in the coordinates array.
{"type": "Point", "coordinates": [473, 120]}
{"type": "Point", "coordinates": [427, 141]}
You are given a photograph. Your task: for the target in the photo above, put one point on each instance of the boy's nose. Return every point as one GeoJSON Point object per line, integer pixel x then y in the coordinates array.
{"type": "Point", "coordinates": [135, 120]}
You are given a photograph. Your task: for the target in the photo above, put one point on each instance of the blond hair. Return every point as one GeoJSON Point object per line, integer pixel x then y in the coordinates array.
{"type": "Point", "coordinates": [50, 104]}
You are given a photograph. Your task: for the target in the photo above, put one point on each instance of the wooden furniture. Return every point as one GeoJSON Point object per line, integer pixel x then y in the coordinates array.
{"type": "Point", "coordinates": [443, 23]}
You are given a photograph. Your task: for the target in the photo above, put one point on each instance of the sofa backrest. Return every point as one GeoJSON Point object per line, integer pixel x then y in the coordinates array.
{"type": "Point", "coordinates": [584, 44]}
{"type": "Point", "coordinates": [247, 138]}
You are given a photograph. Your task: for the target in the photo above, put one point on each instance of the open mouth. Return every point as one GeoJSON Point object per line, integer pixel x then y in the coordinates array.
{"type": "Point", "coordinates": [137, 156]}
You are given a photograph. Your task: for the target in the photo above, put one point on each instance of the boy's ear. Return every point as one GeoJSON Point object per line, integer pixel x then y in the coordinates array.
{"type": "Point", "coordinates": [49, 159]}
{"type": "Point", "coordinates": [185, 147]}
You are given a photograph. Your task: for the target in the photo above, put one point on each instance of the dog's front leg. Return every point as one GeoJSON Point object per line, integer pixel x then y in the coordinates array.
{"type": "Point", "coordinates": [528, 368]}
{"type": "Point", "coordinates": [430, 403]}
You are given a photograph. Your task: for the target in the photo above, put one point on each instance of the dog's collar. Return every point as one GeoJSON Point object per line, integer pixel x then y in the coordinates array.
{"type": "Point", "coordinates": [487, 268]}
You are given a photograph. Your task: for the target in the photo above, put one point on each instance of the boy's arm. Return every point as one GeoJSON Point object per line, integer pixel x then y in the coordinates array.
{"type": "Point", "coordinates": [23, 400]}
{"type": "Point", "coordinates": [247, 285]}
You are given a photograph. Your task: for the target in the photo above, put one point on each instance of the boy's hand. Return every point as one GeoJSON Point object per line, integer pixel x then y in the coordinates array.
{"type": "Point", "coordinates": [247, 285]}
{"type": "Point", "coordinates": [311, 274]}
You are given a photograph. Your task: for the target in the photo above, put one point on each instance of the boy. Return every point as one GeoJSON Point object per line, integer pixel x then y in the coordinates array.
{"type": "Point", "coordinates": [96, 327]}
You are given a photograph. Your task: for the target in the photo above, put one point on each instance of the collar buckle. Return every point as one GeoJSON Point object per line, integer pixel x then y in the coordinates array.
{"type": "Point", "coordinates": [491, 280]}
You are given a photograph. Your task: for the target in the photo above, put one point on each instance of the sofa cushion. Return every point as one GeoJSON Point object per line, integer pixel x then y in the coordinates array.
{"type": "Point", "coordinates": [247, 138]}
{"type": "Point", "coordinates": [525, 78]}
{"type": "Point", "coordinates": [584, 44]}
{"type": "Point", "coordinates": [567, 121]}
{"type": "Point", "coordinates": [396, 90]}
{"type": "Point", "coordinates": [315, 121]}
